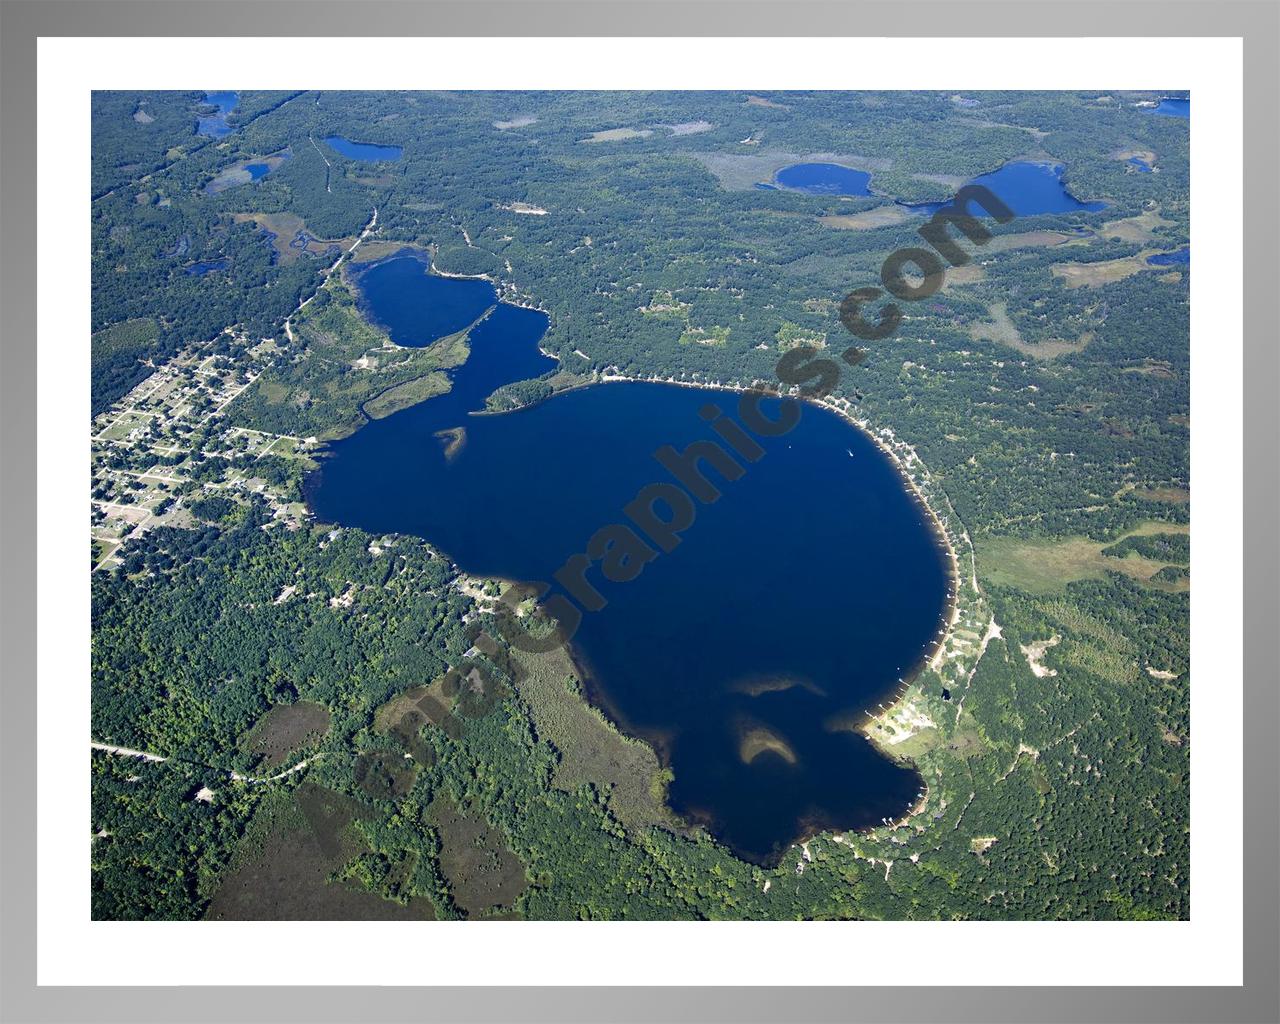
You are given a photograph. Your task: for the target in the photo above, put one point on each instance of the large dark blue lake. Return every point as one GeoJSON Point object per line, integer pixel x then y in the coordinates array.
{"type": "Point", "coordinates": [790, 605]}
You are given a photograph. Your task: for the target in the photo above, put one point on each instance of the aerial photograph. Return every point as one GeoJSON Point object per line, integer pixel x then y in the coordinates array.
{"type": "Point", "coordinates": [615, 505]}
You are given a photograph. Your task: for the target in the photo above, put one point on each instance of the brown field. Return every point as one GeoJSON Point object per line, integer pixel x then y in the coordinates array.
{"type": "Point", "coordinates": [482, 872]}
{"type": "Point", "coordinates": [969, 273]}
{"type": "Point", "coordinates": [1094, 275]}
{"type": "Point", "coordinates": [618, 134]}
{"type": "Point", "coordinates": [1139, 230]}
{"type": "Point", "coordinates": [867, 220]}
{"type": "Point", "coordinates": [1172, 495]}
{"type": "Point", "coordinates": [1003, 331]}
{"type": "Point", "coordinates": [284, 729]}
{"type": "Point", "coordinates": [405, 714]}
{"type": "Point", "coordinates": [1029, 240]}
{"type": "Point", "coordinates": [281, 870]}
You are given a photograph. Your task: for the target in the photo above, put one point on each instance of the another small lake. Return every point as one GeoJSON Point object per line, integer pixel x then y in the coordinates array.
{"type": "Point", "coordinates": [1169, 259]}
{"type": "Point", "coordinates": [824, 180]}
{"type": "Point", "coordinates": [417, 307]}
{"type": "Point", "coordinates": [1173, 106]}
{"type": "Point", "coordinates": [790, 606]}
{"type": "Point", "coordinates": [203, 267]}
{"type": "Point", "coordinates": [1139, 164]}
{"type": "Point", "coordinates": [1028, 188]}
{"type": "Point", "coordinates": [363, 150]}
{"type": "Point", "coordinates": [215, 125]}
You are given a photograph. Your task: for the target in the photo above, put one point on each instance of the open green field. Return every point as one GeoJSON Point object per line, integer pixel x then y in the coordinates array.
{"type": "Point", "coordinates": [1046, 566]}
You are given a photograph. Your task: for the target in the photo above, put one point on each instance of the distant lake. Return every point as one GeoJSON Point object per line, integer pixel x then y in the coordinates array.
{"type": "Point", "coordinates": [1172, 106]}
{"type": "Point", "coordinates": [1027, 188]}
{"type": "Point", "coordinates": [792, 604]}
{"type": "Point", "coordinates": [363, 150]}
{"type": "Point", "coordinates": [215, 125]}
{"type": "Point", "coordinates": [205, 267]}
{"type": "Point", "coordinates": [824, 180]}
{"type": "Point", "coordinates": [1142, 166]}
{"type": "Point", "coordinates": [1168, 259]}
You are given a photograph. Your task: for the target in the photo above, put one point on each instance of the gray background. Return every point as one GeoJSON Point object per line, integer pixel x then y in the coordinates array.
{"type": "Point", "coordinates": [1257, 21]}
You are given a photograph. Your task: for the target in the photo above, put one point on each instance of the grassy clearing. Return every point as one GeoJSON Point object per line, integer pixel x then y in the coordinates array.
{"type": "Point", "coordinates": [793, 336]}
{"type": "Point", "coordinates": [1171, 495]}
{"type": "Point", "coordinates": [285, 729]}
{"type": "Point", "coordinates": [970, 273]}
{"type": "Point", "coordinates": [714, 335]}
{"type": "Point", "coordinates": [665, 306]}
{"type": "Point", "coordinates": [1095, 275]}
{"type": "Point", "coordinates": [591, 749]}
{"type": "Point", "coordinates": [1140, 230]}
{"type": "Point", "coordinates": [618, 134]}
{"type": "Point", "coordinates": [1003, 331]}
{"type": "Point", "coordinates": [1047, 566]}
{"type": "Point", "coordinates": [867, 220]}
{"type": "Point", "coordinates": [1029, 240]}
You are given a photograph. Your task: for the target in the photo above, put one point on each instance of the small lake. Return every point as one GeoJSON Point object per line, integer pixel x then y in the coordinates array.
{"type": "Point", "coordinates": [363, 150]}
{"type": "Point", "coordinates": [791, 605]}
{"type": "Point", "coordinates": [1173, 106]}
{"type": "Point", "coordinates": [203, 267]}
{"type": "Point", "coordinates": [824, 180]}
{"type": "Point", "coordinates": [416, 307]}
{"type": "Point", "coordinates": [215, 125]}
{"type": "Point", "coordinates": [1170, 259]}
{"type": "Point", "coordinates": [1140, 165]}
{"type": "Point", "coordinates": [1028, 188]}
